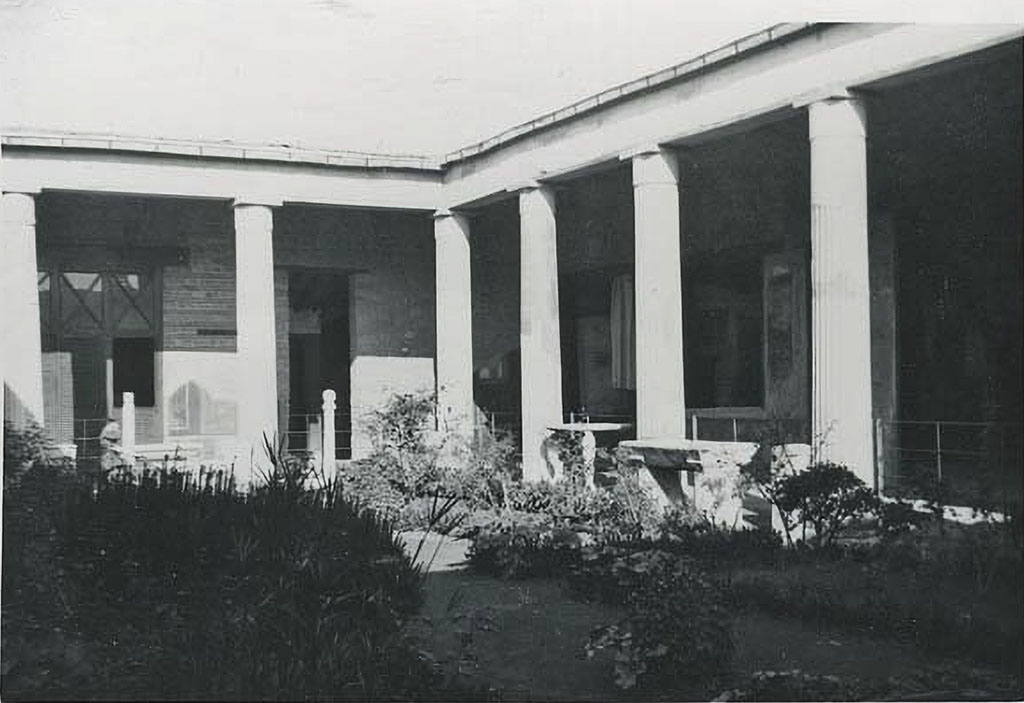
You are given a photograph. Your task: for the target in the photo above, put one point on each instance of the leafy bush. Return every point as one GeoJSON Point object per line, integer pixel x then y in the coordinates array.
{"type": "Point", "coordinates": [712, 544]}
{"type": "Point", "coordinates": [164, 587]}
{"type": "Point", "coordinates": [541, 526]}
{"type": "Point", "coordinates": [621, 510]}
{"type": "Point", "coordinates": [370, 485]}
{"type": "Point", "coordinates": [519, 545]}
{"type": "Point", "coordinates": [896, 518]}
{"type": "Point", "coordinates": [411, 460]}
{"type": "Point", "coordinates": [826, 497]}
{"type": "Point", "coordinates": [676, 630]}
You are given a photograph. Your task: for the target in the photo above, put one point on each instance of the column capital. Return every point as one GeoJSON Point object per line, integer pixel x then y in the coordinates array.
{"type": "Point", "coordinates": [655, 167]}
{"type": "Point", "coordinates": [19, 209]}
{"type": "Point", "coordinates": [837, 116]}
{"type": "Point", "coordinates": [447, 221]}
{"type": "Point", "coordinates": [641, 150]}
{"type": "Point", "coordinates": [526, 185]}
{"type": "Point", "coordinates": [264, 200]}
{"type": "Point", "coordinates": [828, 93]}
{"type": "Point", "coordinates": [539, 195]}
{"type": "Point", "coordinates": [443, 212]}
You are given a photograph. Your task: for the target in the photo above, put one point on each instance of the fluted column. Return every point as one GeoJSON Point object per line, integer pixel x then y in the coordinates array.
{"type": "Point", "coordinates": [840, 290]}
{"type": "Point", "coordinates": [257, 347]}
{"type": "Point", "coordinates": [660, 397]}
{"type": "Point", "coordinates": [21, 361]}
{"type": "Point", "coordinates": [539, 335]}
{"type": "Point", "coordinates": [454, 324]}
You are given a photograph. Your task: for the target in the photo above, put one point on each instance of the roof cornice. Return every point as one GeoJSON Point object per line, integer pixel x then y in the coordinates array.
{"type": "Point", "coordinates": [363, 160]}
{"type": "Point", "coordinates": [651, 81]}
{"type": "Point", "coordinates": [219, 149]}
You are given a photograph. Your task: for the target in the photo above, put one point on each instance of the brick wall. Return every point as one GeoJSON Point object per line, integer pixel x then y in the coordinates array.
{"type": "Point", "coordinates": [199, 297]}
{"type": "Point", "coordinates": [281, 323]}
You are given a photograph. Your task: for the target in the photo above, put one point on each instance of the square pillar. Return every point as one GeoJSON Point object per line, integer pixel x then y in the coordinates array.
{"type": "Point", "coordinates": [257, 336]}
{"type": "Point", "coordinates": [840, 289]}
{"type": "Point", "coordinates": [21, 358]}
{"type": "Point", "coordinates": [539, 335]}
{"type": "Point", "coordinates": [660, 397]}
{"type": "Point", "coordinates": [455, 406]}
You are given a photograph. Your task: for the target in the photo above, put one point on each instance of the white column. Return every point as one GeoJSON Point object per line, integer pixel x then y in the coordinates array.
{"type": "Point", "coordinates": [128, 428]}
{"type": "Point", "coordinates": [840, 290]}
{"type": "Point", "coordinates": [257, 347]}
{"type": "Point", "coordinates": [21, 361]}
{"type": "Point", "coordinates": [539, 335]}
{"type": "Point", "coordinates": [329, 446]}
{"type": "Point", "coordinates": [660, 400]}
{"type": "Point", "coordinates": [455, 407]}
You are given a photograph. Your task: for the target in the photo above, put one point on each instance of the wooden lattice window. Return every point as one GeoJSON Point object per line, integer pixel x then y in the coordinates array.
{"type": "Point", "coordinates": [114, 313]}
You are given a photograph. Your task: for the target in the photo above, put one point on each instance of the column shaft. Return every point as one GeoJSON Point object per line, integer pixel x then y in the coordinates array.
{"type": "Point", "coordinates": [257, 349]}
{"type": "Point", "coordinates": [21, 361]}
{"type": "Point", "coordinates": [660, 398]}
{"type": "Point", "coordinates": [456, 410]}
{"type": "Point", "coordinates": [539, 334]}
{"type": "Point", "coordinates": [840, 289]}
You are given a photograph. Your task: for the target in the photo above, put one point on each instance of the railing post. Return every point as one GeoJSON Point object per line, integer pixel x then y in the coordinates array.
{"type": "Point", "coordinates": [329, 448]}
{"type": "Point", "coordinates": [735, 435]}
{"type": "Point", "coordinates": [693, 425]}
{"type": "Point", "coordinates": [879, 455]}
{"type": "Point", "coordinates": [938, 449]}
{"type": "Point", "coordinates": [128, 428]}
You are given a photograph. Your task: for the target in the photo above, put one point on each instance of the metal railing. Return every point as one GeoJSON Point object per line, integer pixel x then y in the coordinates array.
{"type": "Point", "coordinates": [86, 436]}
{"type": "Point", "coordinates": [732, 428]}
{"type": "Point", "coordinates": [507, 421]}
{"type": "Point", "coordinates": [972, 463]}
{"type": "Point", "coordinates": [304, 433]}
{"type": "Point", "coordinates": [578, 416]}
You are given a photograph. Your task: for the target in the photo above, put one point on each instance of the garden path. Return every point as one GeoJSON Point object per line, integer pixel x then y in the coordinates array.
{"type": "Point", "coordinates": [524, 639]}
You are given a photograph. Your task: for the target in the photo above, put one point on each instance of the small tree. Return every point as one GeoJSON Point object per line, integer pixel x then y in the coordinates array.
{"type": "Point", "coordinates": [827, 497]}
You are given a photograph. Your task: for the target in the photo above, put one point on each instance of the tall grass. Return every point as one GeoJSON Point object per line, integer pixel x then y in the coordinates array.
{"type": "Point", "coordinates": [175, 586]}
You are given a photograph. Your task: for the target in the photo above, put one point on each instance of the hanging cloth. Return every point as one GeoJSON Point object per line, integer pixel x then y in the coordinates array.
{"type": "Point", "coordinates": [623, 330]}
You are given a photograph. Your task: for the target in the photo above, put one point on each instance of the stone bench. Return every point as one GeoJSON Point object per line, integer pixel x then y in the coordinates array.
{"type": "Point", "coordinates": [714, 483]}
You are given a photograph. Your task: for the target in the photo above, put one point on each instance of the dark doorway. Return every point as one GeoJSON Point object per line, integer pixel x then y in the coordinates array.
{"type": "Point", "coordinates": [319, 357]}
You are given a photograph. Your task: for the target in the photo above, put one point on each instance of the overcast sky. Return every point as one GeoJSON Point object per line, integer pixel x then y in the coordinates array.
{"type": "Point", "coordinates": [397, 76]}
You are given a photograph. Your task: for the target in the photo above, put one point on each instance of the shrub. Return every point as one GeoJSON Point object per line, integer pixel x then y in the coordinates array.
{"type": "Point", "coordinates": [371, 485]}
{"type": "Point", "coordinates": [896, 518]}
{"type": "Point", "coordinates": [163, 587]}
{"type": "Point", "coordinates": [411, 460]}
{"type": "Point", "coordinates": [520, 545]}
{"type": "Point", "coordinates": [620, 510]}
{"type": "Point", "coordinates": [676, 630]}
{"type": "Point", "coordinates": [34, 619]}
{"type": "Point", "coordinates": [712, 544]}
{"type": "Point", "coordinates": [826, 497]}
